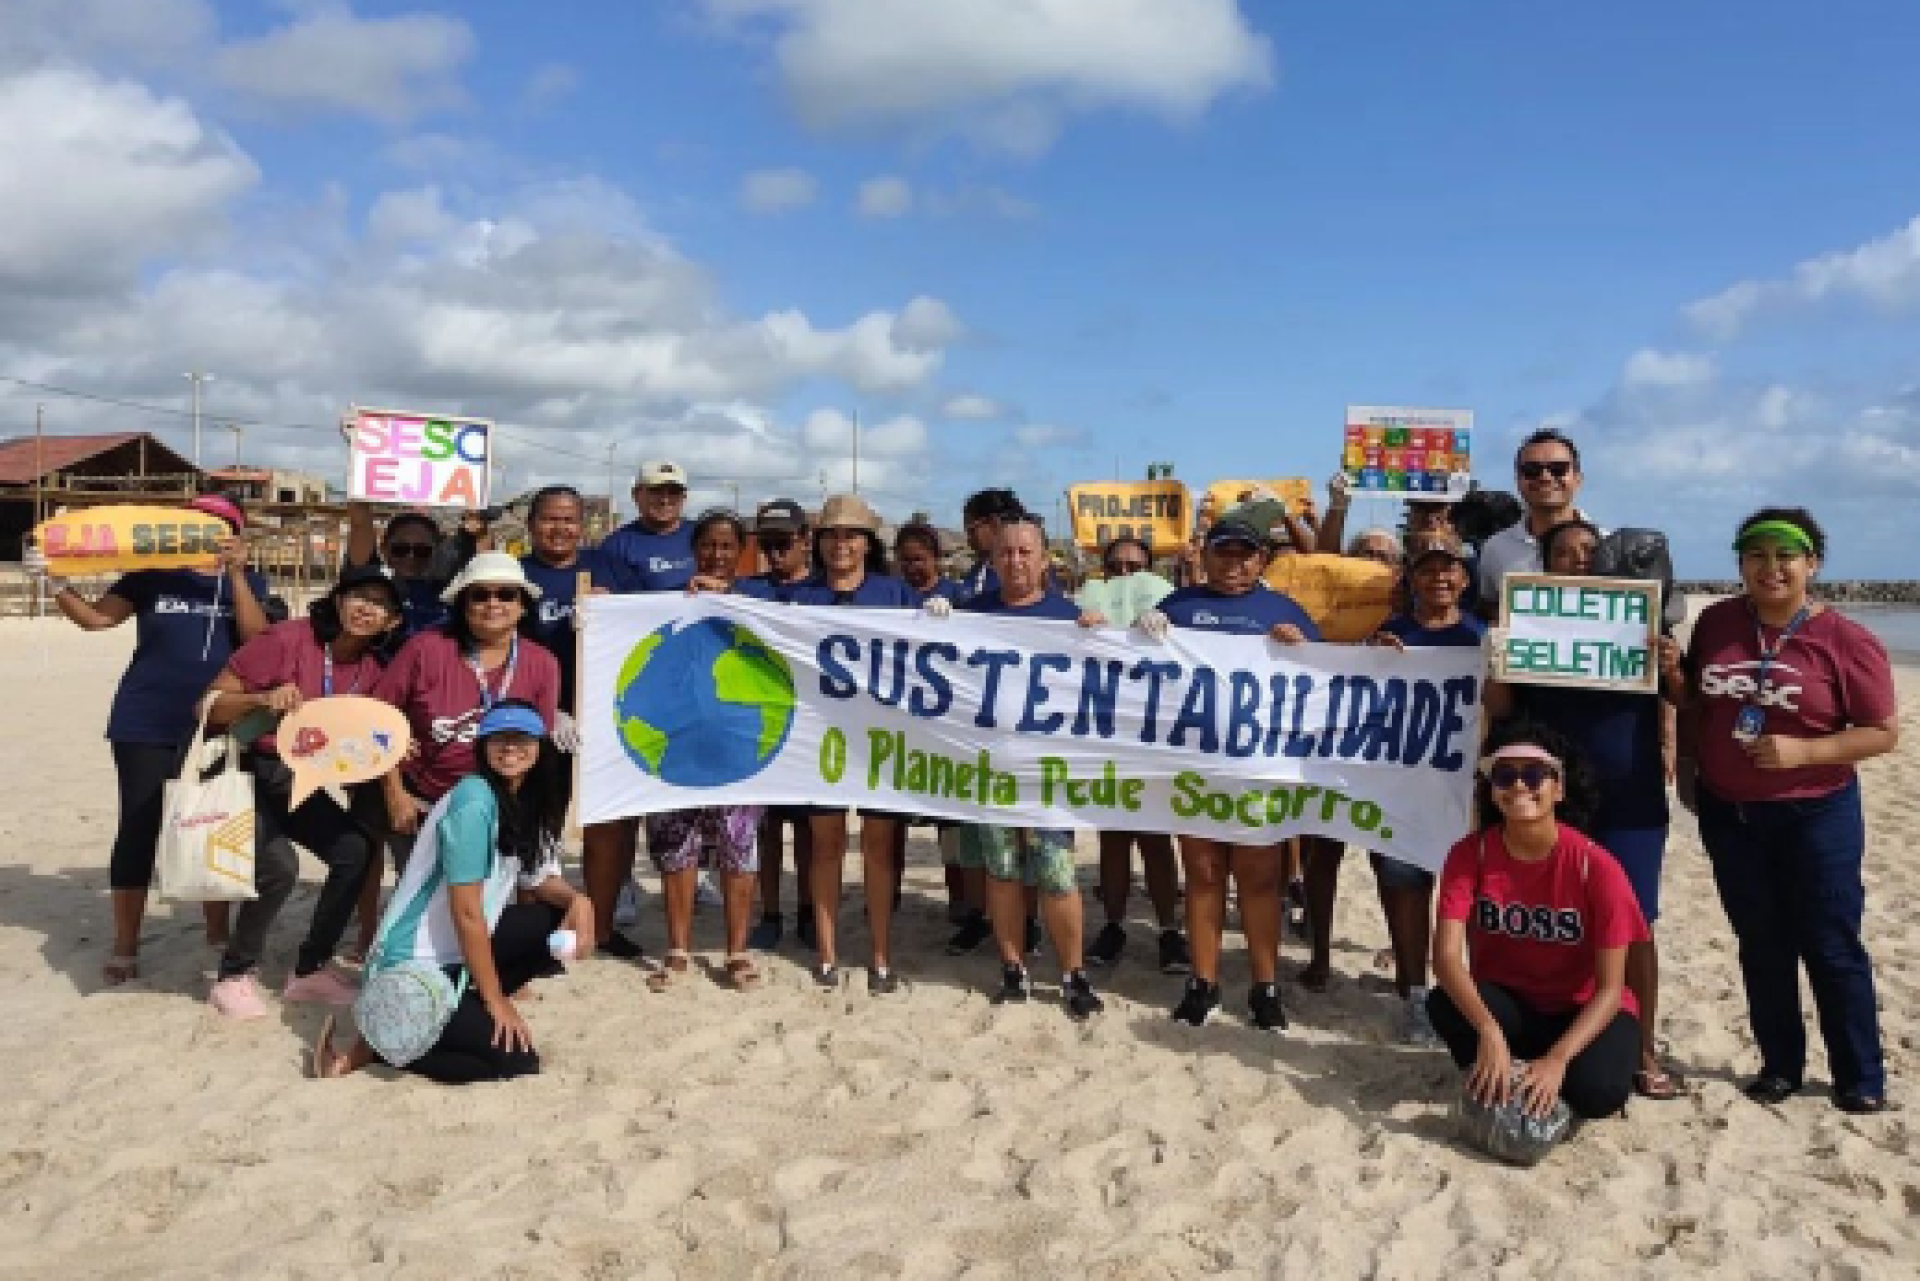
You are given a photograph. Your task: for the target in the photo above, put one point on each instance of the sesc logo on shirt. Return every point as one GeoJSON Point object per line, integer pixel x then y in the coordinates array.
{"type": "Point", "coordinates": [1740, 681]}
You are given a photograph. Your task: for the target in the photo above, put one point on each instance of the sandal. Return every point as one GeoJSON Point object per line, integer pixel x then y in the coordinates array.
{"type": "Point", "coordinates": [120, 969]}
{"type": "Point", "coordinates": [1658, 1084]}
{"type": "Point", "coordinates": [675, 966]}
{"type": "Point", "coordinates": [743, 972]}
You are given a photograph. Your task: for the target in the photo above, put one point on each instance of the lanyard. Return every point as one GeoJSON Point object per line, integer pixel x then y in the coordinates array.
{"type": "Point", "coordinates": [487, 696]}
{"type": "Point", "coordinates": [1767, 656]}
{"type": "Point", "coordinates": [326, 673]}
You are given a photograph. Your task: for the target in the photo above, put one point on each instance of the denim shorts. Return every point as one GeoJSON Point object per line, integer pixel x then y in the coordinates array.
{"type": "Point", "coordinates": [1398, 874]}
{"type": "Point", "coordinates": [1037, 856]}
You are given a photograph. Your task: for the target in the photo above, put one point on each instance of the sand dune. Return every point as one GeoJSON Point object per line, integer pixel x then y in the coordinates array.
{"type": "Point", "coordinates": [702, 1133]}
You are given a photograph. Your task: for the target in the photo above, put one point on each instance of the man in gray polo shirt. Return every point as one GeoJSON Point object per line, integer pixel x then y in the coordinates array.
{"type": "Point", "coordinates": [1547, 468]}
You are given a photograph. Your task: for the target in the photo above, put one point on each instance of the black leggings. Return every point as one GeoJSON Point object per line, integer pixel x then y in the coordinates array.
{"type": "Point", "coordinates": [333, 836]}
{"type": "Point", "coordinates": [465, 1052]}
{"type": "Point", "coordinates": [1599, 1078]}
{"type": "Point", "coordinates": [142, 771]}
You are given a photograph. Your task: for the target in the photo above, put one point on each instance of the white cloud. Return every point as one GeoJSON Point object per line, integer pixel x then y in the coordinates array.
{"type": "Point", "coordinates": [1650, 368]}
{"type": "Point", "coordinates": [777, 190]}
{"type": "Point", "coordinates": [927, 324]}
{"type": "Point", "coordinates": [885, 197]}
{"type": "Point", "coordinates": [1006, 74]}
{"type": "Point", "coordinates": [971, 408]}
{"type": "Point", "coordinates": [330, 60]}
{"type": "Point", "coordinates": [1044, 436]}
{"type": "Point", "coordinates": [550, 83]}
{"type": "Point", "coordinates": [99, 176]}
{"type": "Point", "coordinates": [416, 215]}
{"type": "Point", "coordinates": [148, 33]}
{"type": "Point", "coordinates": [1884, 273]}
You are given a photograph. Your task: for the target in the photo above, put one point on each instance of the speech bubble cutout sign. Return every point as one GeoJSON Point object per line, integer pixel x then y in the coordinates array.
{"type": "Point", "coordinates": [339, 741]}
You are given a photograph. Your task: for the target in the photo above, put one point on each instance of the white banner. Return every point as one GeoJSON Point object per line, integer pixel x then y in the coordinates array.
{"type": "Point", "coordinates": [689, 701]}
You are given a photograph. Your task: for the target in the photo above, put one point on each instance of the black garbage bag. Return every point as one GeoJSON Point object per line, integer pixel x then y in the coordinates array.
{"type": "Point", "coordinates": [1642, 554]}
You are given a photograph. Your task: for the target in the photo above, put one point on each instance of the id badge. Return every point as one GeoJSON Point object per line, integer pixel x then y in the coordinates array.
{"type": "Point", "coordinates": [1749, 724]}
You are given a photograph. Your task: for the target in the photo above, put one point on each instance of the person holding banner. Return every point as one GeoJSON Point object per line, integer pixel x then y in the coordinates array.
{"type": "Point", "coordinates": [487, 843]}
{"type": "Point", "coordinates": [189, 622]}
{"type": "Point", "coordinates": [447, 677]}
{"type": "Point", "coordinates": [677, 838]}
{"type": "Point", "coordinates": [780, 531]}
{"type": "Point", "coordinates": [1530, 944]}
{"type": "Point", "coordinates": [1791, 696]}
{"type": "Point", "coordinates": [1232, 599]}
{"type": "Point", "coordinates": [331, 651]}
{"type": "Point", "coordinates": [850, 570]}
{"type": "Point", "coordinates": [1039, 858]}
{"type": "Point", "coordinates": [1626, 738]}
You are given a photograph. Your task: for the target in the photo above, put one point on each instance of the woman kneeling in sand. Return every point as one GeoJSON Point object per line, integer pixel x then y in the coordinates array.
{"type": "Point", "coordinates": [495, 831]}
{"type": "Point", "coordinates": [1547, 916]}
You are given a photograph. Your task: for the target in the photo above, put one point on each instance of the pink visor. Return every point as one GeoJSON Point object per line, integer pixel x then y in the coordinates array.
{"type": "Point", "coordinates": [1519, 752]}
{"type": "Point", "coordinates": [221, 508]}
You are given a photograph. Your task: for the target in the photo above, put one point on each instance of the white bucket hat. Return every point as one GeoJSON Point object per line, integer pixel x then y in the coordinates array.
{"type": "Point", "coordinates": [490, 567]}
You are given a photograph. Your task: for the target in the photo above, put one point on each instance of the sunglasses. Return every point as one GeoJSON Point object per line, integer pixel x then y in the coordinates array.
{"type": "Point", "coordinates": [405, 550]}
{"type": "Point", "coordinates": [1559, 469]}
{"type": "Point", "coordinates": [502, 594]}
{"type": "Point", "coordinates": [665, 491]}
{"type": "Point", "coordinates": [1534, 776]}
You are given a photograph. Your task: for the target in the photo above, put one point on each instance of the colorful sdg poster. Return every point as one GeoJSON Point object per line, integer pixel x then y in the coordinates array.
{"type": "Point", "coordinates": [1419, 454]}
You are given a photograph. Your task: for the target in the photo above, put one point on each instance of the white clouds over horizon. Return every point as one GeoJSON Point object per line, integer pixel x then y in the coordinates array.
{"type": "Point", "coordinates": [391, 69]}
{"type": "Point", "coordinates": [1007, 75]}
{"type": "Point", "coordinates": [1884, 273]}
{"type": "Point", "coordinates": [778, 190]}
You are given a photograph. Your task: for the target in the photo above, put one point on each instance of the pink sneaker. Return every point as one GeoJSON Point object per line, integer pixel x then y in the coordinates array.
{"type": "Point", "coordinates": [325, 986]}
{"type": "Point", "coordinates": [238, 998]}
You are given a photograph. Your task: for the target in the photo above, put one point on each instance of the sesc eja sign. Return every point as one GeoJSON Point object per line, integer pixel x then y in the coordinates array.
{"type": "Point", "coordinates": [427, 460]}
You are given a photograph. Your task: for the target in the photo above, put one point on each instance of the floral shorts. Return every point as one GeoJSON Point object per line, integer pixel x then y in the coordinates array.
{"type": "Point", "coordinates": [676, 838]}
{"type": "Point", "coordinates": [1037, 856]}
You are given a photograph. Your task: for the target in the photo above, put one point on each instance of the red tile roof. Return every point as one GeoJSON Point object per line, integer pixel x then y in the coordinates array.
{"type": "Point", "coordinates": [58, 453]}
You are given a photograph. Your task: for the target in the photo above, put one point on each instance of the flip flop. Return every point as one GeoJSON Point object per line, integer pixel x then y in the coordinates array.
{"type": "Point", "coordinates": [743, 971]}
{"type": "Point", "coordinates": [675, 967]}
{"type": "Point", "coordinates": [120, 969]}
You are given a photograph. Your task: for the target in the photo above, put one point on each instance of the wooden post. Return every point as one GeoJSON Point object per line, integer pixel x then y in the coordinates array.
{"type": "Point", "coordinates": [582, 588]}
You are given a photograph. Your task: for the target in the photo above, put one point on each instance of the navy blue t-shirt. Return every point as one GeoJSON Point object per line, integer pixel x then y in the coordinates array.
{"type": "Point", "coordinates": [1253, 613]}
{"type": "Point", "coordinates": [759, 587]}
{"type": "Point", "coordinates": [185, 633]}
{"type": "Point", "coordinates": [1051, 605]}
{"type": "Point", "coordinates": [1468, 633]}
{"type": "Point", "coordinates": [980, 580]}
{"type": "Point", "coordinates": [551, 623]}
{"type": "Point", "coordinates": [876, 591]}
{"type": "Point", "coordinates": [946, 589]}
{"type": "Point", "coordinates": [640, 560]}
{"type": "Point", "coordinates": [1618, 733]}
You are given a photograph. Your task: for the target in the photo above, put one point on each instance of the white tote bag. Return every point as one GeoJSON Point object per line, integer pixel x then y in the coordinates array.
{"type": "Point", "coordinates": [207, 826]}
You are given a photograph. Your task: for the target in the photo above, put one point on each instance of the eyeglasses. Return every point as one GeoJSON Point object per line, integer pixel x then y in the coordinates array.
{"type": "Point", "coordinates": [1534, 776]}
{"type": "Point", "coordinates": [1559, 469]}
{"type": "Point", "coordinates": [480, 595]}
{"type": "Point", "coordinates": [399, 551]}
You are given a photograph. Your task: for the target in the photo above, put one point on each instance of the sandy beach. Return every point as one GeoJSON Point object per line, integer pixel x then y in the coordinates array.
{"type": "Point", "coordinates": [702, 1133]}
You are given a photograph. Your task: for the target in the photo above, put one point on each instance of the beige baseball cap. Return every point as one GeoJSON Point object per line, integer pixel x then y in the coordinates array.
{"type": "Point", "coordinates": [662, 473]}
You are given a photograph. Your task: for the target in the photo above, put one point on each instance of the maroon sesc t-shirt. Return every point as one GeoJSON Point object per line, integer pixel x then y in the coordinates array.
{"type": "Point", "coordinates": [1832, 675]}
{"type": "Point", "coordinates": [432, 682]}
{"type": "Point", "coordinates": [1534, 928]}
{"type": "Point", "coordinates": [289, 653]}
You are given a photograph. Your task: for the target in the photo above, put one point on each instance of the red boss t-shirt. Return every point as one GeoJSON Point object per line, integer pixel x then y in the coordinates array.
{"type": "Point", "coordinates": [432, 682]}
{"type": "Point", "coordinates": [1832, 675]}
{"type": "Point", "coordinates": [1534, 928]}
{"type": "Point", "coordinates": [289, 653]}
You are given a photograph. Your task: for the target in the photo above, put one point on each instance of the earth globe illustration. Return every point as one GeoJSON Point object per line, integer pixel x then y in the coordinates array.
{"type": "Point", "coordinates": [703, 703]}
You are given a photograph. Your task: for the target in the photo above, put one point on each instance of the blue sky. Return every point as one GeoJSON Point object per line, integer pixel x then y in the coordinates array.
{"type": "Point", "coordinates": [1030, 241]}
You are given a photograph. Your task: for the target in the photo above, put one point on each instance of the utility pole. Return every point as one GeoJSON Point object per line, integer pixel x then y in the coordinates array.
{"type": "Point", "coordinates": [613, 500]}
{"type": "Point", "coordinates": [735, 487]}
{"type": "Point", "coordinates": [238, 431]}
{"type": "Point", "coordinates": [39, 463]}
{"type": "Point", "coordinates": [197, 379]}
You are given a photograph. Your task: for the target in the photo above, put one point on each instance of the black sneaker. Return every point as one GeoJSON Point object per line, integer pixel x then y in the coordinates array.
{"type": "Point", "coordinates": [826, 975]}
{"type": "Point", "coordinates": [621, 948]}
{"type": "Point", "coordinates": [882, 982]}
{"type": "Point", "coordinates": [1108, 945]}
{"type": "Point", "coordinates": [1297, 905]}
{"type": "Point", "coordinates": [766, 936]}
{"type": "Point", "coordinates": [1198, 1003]}
{"type": "Point", "coordinates": [804, 928]}
{"type": "Point", "coordinates": [974, 931]}
{"type": "Point", "coordinates": [1034, 936]}
{"type": "Point", "coordinates": [1264, 1008]}
{"type": "Point", "coordinates": [1081, 1000]}
{"type": "Point", "coordinates": [1015, 986]}
{"type": "Point", "coordinates": [1175, 958]}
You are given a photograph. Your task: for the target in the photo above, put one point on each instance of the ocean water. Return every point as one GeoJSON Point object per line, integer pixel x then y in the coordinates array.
{"type": "Point", "coordinates": [1897, 626]}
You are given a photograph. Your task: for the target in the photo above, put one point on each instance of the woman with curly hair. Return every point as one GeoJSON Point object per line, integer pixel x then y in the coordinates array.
{"type": "Point", "coordinates": [1530, 944]}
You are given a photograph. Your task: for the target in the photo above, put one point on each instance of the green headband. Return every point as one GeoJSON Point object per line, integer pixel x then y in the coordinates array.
{"type": "Point", "coordinates": [1784, 530]}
